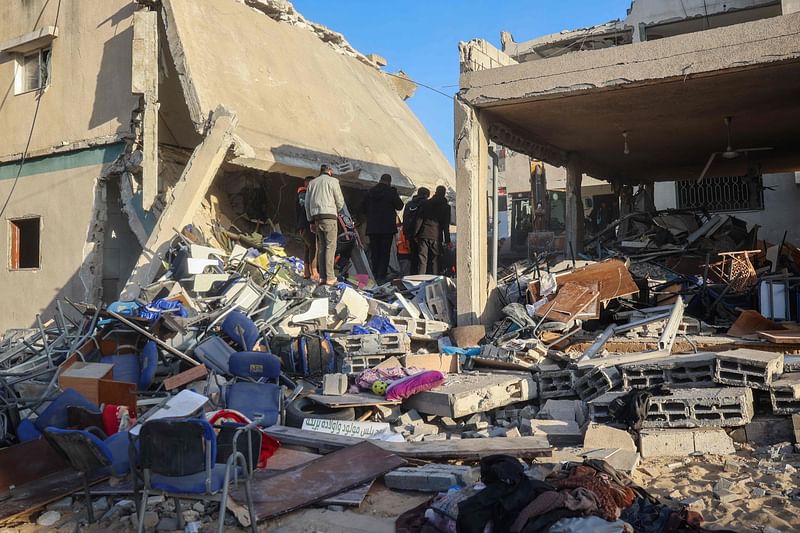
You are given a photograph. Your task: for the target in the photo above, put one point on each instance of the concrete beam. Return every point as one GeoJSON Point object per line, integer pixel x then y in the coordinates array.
{"type": "Point", "coordinates": [182, 205]}
{"type": "Point", "coordinates": [472, 162]}
{"type": "Point", "coordinates": [702, 53]}
{"type": "Point", "coordinates": [144, 81]}
{"type": "Point", "coordinates": [574, 214]}
{"type": "Point", "coordinates": [790, 6]}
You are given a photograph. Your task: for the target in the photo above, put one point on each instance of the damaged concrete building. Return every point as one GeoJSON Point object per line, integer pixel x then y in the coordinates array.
{"type": "Point", "coordinates": [134, 111]}
{"type": "Point", "coordinates": [697, 101]}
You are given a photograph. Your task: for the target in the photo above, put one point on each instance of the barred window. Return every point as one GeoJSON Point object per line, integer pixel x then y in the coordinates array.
{"type": "Point", "coordinates": [726, 193]}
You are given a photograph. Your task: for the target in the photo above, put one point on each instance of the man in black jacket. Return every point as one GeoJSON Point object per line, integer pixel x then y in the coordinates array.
{"type": "Point", "coordinates": [433, 227]}
{"type": "Point", "coordinates": [410, 215]}
{"type": "Point", "coordinates": [381, 205]}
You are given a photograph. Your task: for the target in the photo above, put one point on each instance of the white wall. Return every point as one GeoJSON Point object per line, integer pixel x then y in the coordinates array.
{"type": "Point", "coordinates": [781, 207]}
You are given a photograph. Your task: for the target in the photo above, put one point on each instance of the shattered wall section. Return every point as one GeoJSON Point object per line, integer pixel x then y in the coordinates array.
{"type": "Point", "coordinates": [284, 11]}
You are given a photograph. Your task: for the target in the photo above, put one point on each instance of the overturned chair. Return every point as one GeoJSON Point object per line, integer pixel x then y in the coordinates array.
{"type": "Point", "coordinates": [190, 470]}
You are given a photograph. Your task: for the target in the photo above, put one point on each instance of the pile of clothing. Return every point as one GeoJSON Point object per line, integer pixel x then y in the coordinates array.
{"type": "Point", "coordinates": [575, 498]}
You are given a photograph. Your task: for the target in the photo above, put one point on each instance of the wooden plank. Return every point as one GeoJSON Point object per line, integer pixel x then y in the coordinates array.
{"type": "Point", "coordinates": [117, 393]}
{"type": "Point", "coordinates": [612, 275]}
{"type": "Point", "coordinates": [185, 377]}
{"type": "Point", "coordinates": [466, 449]}
{"type": "Point", "coordinates": [36, 494]}
{"type": "Point", "coordinates": [750, 322]}
{"type": "Point", "coordinates": [363, 399]}
{"type": "Point", "coordinates": [781, 337]}
{"type": "Point", "coordinates": [318, 480]}
{"type": "Point", "coordinates": [571, 300]}
{"type": "Point", "coordinates": [623, 359]}
{"type": "Point", "coordinates": [26, 462]}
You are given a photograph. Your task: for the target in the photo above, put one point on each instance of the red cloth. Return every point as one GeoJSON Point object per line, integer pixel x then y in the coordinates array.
{"type": "Point", "coordinates": [268, 444]}
{"type": "Point", "coordinates": [113, 416]}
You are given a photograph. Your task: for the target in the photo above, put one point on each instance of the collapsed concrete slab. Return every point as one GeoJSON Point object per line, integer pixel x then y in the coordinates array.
{"type": "Point", "coordinates": [465, 394]}
{"type": "Point", "coordinates": [291, 87]}
{"type": "Point", "coordinates": [784, 394]}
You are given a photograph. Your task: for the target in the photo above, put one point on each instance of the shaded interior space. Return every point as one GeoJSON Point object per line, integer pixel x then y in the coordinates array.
{"type": "Point", "coordinates": [672, 126]}
{"type": "Point", "coordinates": [25, 236]}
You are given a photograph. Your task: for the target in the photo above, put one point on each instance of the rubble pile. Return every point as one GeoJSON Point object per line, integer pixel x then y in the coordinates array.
{"type": "Point", "coordinates": [589, 370]}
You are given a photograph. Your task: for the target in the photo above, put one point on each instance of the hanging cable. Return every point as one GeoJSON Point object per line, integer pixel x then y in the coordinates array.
{"type": "Point", "coordinates": [33, 124]}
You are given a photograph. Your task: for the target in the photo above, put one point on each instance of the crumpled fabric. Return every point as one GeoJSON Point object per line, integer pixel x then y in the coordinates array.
{"type": "Point", "coordinates": [647, 517]}
{"type": "Point", "coordinates": [546, 502]}
{"type": "Point", "coordinates": [579, 501]}
{"type": "Point", "coordinates": [611, 496]}
{"type": "Point", "coordinates": [371, 375]}
{"type": "Point", "coordinates": [593, 524]}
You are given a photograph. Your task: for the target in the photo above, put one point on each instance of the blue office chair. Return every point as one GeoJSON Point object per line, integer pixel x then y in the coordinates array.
{"type": "Point", "coordinates": [241, 330]}
{"type": "Point", "coordinates": [88, 454]}
{"type": "Point", "coordinates": [54, 415]}
{"type": "Point", "coordinates": [252, 393]}
{"type": "Point", "coordinates": [190, 470]}
{"type": "Point", "coordinates": [132, 368]}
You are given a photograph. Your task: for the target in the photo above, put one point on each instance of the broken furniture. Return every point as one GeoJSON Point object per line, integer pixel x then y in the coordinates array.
{"type": "Point", "coordinates": [88, 454]}
{"type": "Point", "coordinates": [250, 394]}
{"type": "Point", "coordinates": [54, 415]}
{"type": "Point", "coordinates": [132, 368]}
{"type": "Point", "coordinates": [191, 472]}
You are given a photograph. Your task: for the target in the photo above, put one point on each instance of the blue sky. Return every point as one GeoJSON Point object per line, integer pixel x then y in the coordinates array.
{"type": "Point", "coordinates": [421, 37]}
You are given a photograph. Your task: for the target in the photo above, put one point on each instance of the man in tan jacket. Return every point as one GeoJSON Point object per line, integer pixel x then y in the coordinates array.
{"type": "Point", "coordinates": [324, 202]}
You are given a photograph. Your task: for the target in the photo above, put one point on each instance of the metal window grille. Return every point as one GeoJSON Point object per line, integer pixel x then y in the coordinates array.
{"type": "Point", "coordinates": [726, 193]}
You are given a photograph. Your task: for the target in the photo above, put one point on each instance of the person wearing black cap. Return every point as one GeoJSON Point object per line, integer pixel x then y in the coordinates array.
{"type": "Point", "coordinates": [380, 206]}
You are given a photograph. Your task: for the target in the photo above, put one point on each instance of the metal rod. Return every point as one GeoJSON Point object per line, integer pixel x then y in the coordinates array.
{"type": "Point", "coordinates": [671, 328]}
{"type": "Point", "coordinates": [598, 343]}
{"type": "Point", "coordinates": [152, 337]}
{"type": "Point", "coordinates": [495, 212]}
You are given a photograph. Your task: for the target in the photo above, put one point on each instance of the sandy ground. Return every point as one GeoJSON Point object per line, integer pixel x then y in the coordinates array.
{"type": "Point", "coordinates": [765, 489]}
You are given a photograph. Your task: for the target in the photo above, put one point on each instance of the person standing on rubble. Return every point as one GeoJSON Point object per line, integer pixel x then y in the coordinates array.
{"type": "Point", "coordinates": [304, 229]}
{"type": "Point", "coordinates": [433, 227]}
{"type": "Point", "coordinates": [410, 215]}
{"type": "Point", "coordinates": [324, 202]}
{"type": "Point", "coordinates": [380, 206]}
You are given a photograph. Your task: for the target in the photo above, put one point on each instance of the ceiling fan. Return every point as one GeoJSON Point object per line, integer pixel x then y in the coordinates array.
{"type": "Point", "coordinates": [730, 152]}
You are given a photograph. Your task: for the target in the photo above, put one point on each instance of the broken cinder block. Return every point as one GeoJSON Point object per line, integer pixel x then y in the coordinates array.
{"type": "Point", "coordinates": [334, 384]}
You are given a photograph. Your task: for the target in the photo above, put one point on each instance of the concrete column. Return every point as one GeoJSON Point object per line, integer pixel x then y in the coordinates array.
{"type": "Point", "coordinates": [790, 6]}
{"type": "Point", "coordinates": [184, 201]}
{"type": "Point", "coordinates": [144, 81]}
{"type": "Point", "coordinates": [574, 214]}
{"type": "Point", "coordinates": [472, 163]}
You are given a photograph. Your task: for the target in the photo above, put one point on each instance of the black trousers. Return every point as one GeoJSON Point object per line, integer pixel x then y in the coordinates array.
{"type": "Point", "coordinates": [429, 252]}
{"type": "Point", "coordinates": [380, 246]}
{"type": "Point", "coordinates": [413, 248]}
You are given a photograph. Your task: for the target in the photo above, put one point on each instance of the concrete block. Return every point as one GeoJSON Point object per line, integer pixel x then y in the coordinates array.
{"type": "Point", "coordinates": [683, 442]}
{"type": "Point", "coordinates": [409, 418]}
{"type": "Point", "coordinates": [420, 329]}
{"type": "Point", "coordinates": [423, 429]}
{"type": "Point", "coordinates": [567, 410]}
{"type": "Point", "coordinates": [665, 443]}
{"type": "Point", "coordinates": [374, 344]}
{"type": "Point", "coordinates": [784, 394]}
{"type": "Point", "coordinates": [596, 382]}
{"type": "Point", "coordinates": [623, 460]}
{"type": "Point", "coordinates": [431, 478]}
{"type": "Point", "coordinates": [764, 430]}
{"type": "Point", "coordinates": [334, 384]}
{"type": "Point", "coordinates": [476, 422]}
{"type": "Point", "coordinates": [388, 413]}
{"type": "Point", "coordinates": [725, 407]}
{"type": "Point", "coordinates": [558, 432]}
{"type": "Point", "coordinates": [695, 370]}
{"type": "Point", "coordinates": [796, 428]}
{"type": "Point", "coordinates": [465, 394]}
{"type": "Point", "coordinates": [601, 436]}
{"type": "Point", "coordinates": [748, 368]}
{"type": "Point", "coordinates": [555, 382]}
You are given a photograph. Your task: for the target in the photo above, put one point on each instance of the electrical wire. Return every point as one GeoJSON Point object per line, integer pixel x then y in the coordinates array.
{"type": "Point", "coordinates": [33, 126]}
{"type": "Point", "coordinates": [448, 96]}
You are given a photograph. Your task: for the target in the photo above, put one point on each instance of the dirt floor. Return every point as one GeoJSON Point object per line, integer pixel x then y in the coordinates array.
{"type": "Point", "coordinates": [765, 487]}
